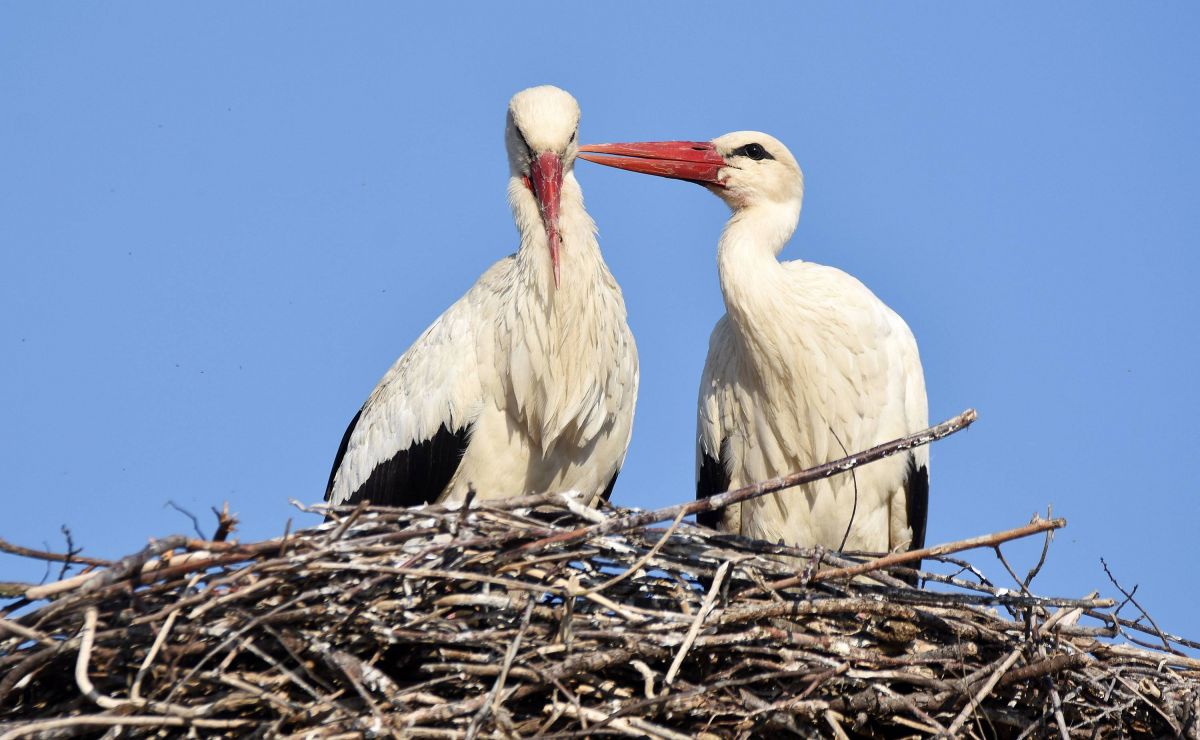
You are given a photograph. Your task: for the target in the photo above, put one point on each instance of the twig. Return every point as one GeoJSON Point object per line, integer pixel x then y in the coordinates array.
{"type": "Point", "coordinates": [349, 521]}
{"type": "Point", "coordinates": [831, 718]}
{"type": "Point", "coordinates": [84, 682]}
{"type": "Point", "coordinates": [1058, 711]}
{"type": "Point", "coordinates": [909, 704]}
{"type": "Point", "coordinates": [189, 515]}
{"type": "Point", "coordinates": [1134, 625]}
{"type": "Point", "coordinates": [57, 557]}
{"type": "Point", "coordinates": [159, 639]}
{"type": "Point", "coordinates": [131, 564]}
{"type": "Point", "coordinates": [493, 703]}
{"type": "Point", "coordinates": [22, 631]}
{"type": "Point", "coordinates": [640, 561]}
{"type": "Point", "coordinates": [989, 540]}
{"type": "Point", "coordinates": [101, 720]}
{"type": "Point", "coordinates": [722, 500]}
{"type": "Point", "coordinates": [1037, 568]}
{"type": "Point", "coordinates": [984, 691]}
{"type": "Point", "coordinates": [694, 630]}
{"type": "Point", "coordinates": [1129, 597]}
{"type": "Point", "coordinates": [71, 553]}
{"type": "Point", "coordinates": [226, 523]}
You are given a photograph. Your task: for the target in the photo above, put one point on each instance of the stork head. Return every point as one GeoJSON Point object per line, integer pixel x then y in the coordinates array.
{"type": "Point", "coordinates": [540, 134]}
{"type": "Point", "coordinates": [744, 168]}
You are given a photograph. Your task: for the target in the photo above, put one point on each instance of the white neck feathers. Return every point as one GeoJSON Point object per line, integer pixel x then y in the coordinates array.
{"type": "Point", "coordinates": [567, 341]}
{"type": "Point", "coordinates": [747, 259]}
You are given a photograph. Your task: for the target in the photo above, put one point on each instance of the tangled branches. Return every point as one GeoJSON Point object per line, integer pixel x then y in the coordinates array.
{"type": "Point", "coordinates": [444, 623]}
{"type": "Point", "coordinates": [542, 617]}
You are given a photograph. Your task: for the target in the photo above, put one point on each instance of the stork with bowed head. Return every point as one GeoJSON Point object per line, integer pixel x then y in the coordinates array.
{"type": "Point", "coordinates": [806, 366]}
{"type": "Point", "coordinates": [525, 385]}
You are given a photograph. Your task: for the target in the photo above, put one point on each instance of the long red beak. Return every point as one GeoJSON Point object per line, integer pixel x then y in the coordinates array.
{"type": "Point", "coordinates": [546, 181]}
{"type": "Point", "coordinates": [695, 161]}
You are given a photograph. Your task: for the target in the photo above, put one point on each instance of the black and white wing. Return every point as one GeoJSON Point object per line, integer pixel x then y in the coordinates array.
{"type": "Point", "coordinates": [404, 445]}
{"type": "Point", "coordinates": [713, 425]}
{"type": "Point", "coordinates": [907, 400]}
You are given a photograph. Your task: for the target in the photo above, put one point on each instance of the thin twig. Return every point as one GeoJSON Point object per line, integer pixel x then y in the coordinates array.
{"type": "Point", "coordinates": [1129, 597]}
{"type": "Point", "coordinates": [722, 500]}
{"type": "Point", "coordinates": [493, 702]}
{"type": "Point", "coordinates": [899, 558]}
{"type": "Point", "coordinates": [640, 561]}
{"type": "Point", "coordinates": [188, 514]}
{"type": "Point", "coordinates": [71, 552]}
{"type": "Point", "coordinates": [100, 720]}
{"type": "Point", "coordinates": [56, 557]}
{"type": "Point", "coordinates": [984, 691]}
{"type": "Point", "coordinates": [694, 630]}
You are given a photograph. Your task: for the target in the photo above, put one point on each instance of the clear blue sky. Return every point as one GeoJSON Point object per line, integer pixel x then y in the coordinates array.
{"type": "Point", "coordinates": [220, 224]}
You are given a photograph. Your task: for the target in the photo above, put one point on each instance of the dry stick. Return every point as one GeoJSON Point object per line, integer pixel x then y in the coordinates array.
{"type": "Point", "coordinates": [36, 593]}
{"type": "Point", "coordinates": [1129, 597]}
{"type": "Point", "coordinates": [694, 630]}
{"type": "Point", "coordinates": [912, 707]}
{"type": "Point", "coordinates": [721, 500]}
{"type": "Point", "coordinates": [989, 540]}
{"type": "Point", "coordinates": [132, 564]}
{"type": "Point", "coordinates": [24, 632]}
{"type": "Point", "coordinates": [101, 720]}
{"type": "Point", "coordinates": [1058, 711]}
{"type": "Point", "coordinates": [634, 726]}
{"type": "Point", "coordinates": [226, 523]}
{"type": "Point", "coordinates": [159, 639]}
{"type": "Point", "coordinates": [348, 521]}
{"type": "Point", "coordinates": [832, 719]}
{"type": "Point", "coordinates": [984, 691]}
{"type": "Point", "coordinates": [57, 557]}
{"type": "Point", "coordinates": [1104, 616]}
{"type": "Point", "coordinates": [160, 571]}
{"type": "Point", "coordinates": [84, 682]}
{"type": "Point", "coordinates": [493, 704]}
{"type": "Point", "coordinates": [1037, 568]}
{"type": "Point", "coordinates": [1047, 667]}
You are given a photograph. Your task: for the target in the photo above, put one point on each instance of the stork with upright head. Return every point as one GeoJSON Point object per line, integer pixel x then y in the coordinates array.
{"type": "Point", "coordinates": [527, 384]}
{"type": "Point", "coordinates": [806, 366]}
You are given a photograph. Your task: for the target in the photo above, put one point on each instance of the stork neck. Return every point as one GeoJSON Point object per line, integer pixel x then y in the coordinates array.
{"type": "Point", "coordinates": [747, 257]}
{"type": "Point", "coordinates": [562, 343]}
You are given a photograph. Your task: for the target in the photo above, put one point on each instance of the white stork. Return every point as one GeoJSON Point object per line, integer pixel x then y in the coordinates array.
{"type": "Point", "coordinates": [807, 364]}
{"type": "Point", "coordinates": [526, 384]}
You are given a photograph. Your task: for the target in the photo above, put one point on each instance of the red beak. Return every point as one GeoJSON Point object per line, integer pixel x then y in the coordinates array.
{"type": "Point", "coordinates": [546, 180]}
{"type": "Point", "coordinates": [695, 161]}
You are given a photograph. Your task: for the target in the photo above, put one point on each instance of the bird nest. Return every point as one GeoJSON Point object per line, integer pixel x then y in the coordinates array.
{"type": "Point", "coordinates": [539, 616]}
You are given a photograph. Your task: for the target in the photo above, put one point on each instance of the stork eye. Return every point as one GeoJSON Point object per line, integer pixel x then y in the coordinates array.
{"type": "Point", "coordinates": [753, 151]}
{"type": "Point", "coordinates": [528, 149]}
{"type": "Point", "coordinates": [572, 139]}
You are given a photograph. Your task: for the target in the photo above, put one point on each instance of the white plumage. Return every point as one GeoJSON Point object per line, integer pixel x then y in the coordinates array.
{"type": "Point", "coordinates": [806, 366]}
{"type": "Point", "coordinates": [528, 382]}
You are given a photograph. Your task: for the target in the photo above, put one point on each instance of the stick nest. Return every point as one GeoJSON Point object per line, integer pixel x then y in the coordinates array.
{"type": "Point", "coordinates": [496, 621]}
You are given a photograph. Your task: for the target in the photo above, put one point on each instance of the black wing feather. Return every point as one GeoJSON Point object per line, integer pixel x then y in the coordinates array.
{"type": "Point", "coordinates": [916, 489]}
{"type": "Point", "coordinates": [609, 488]}
{"type": "Point", "coordinates": [413, 476]}
{"type": "Point", "coordinates": [341, 453]}
{"type": "Point", "coordinates": [713, 479]}
{"type": "Point", "coordinates": [916, 496]}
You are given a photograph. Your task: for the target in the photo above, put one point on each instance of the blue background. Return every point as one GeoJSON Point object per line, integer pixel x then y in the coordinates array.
{"type": "Point", "coordinates": [219, 224]}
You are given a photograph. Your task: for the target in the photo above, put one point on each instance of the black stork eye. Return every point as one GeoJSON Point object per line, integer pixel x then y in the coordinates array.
{"type": "Point", "coordinates": [753, 151]}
